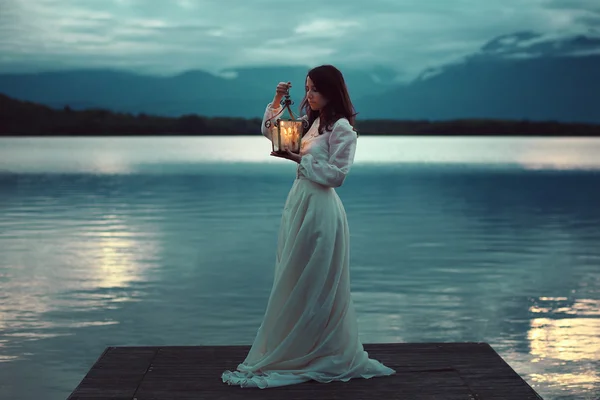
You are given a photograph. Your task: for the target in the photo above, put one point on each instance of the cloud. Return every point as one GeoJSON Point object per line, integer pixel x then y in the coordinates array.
{"type": "Point", "coordinates": [168, 37]}
{"type": "Point", "coordinates": [585, 5]}
{"type": "Point", "coordinates": [325, 28]}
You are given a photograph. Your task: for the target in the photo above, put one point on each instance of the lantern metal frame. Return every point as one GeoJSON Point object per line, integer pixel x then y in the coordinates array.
{"type": "Point", "coordinates": [286, 102]}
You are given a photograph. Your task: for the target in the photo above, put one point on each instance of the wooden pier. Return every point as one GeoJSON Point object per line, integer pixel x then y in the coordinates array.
{"type": "Point", "coordinates": [425, 371]}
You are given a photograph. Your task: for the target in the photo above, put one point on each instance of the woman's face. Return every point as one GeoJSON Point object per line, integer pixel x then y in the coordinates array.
{"type": "Point", "coordinates": [315, 99]}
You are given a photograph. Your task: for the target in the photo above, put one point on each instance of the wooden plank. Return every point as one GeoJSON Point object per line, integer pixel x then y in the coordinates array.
{"type": "Point", "coordinates": [486, 373]}
{"type": "Point", "coordinates": [411, 384]}
{"type": "Point", "coordinates": [426, 371]}
{"type": "Point", "coordinates": [116, 374]}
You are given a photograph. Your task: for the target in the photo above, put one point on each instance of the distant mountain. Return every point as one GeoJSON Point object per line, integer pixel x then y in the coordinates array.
{"type": "Point", "coordinates": [532, 44]}
{"type": "Point", "coordinates": [519, 76]}
{"type": "Point", "coordinates": [238, 93]}
{"type": "Point", "coordinates": [524, 75]}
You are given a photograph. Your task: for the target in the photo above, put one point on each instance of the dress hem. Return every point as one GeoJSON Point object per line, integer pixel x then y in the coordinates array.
{"type": "Point", "coordinates": [276, 379]}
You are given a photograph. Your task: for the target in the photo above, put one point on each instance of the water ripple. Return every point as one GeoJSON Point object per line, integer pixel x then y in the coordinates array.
{"type": "Point", "coordinates": [498, 256]}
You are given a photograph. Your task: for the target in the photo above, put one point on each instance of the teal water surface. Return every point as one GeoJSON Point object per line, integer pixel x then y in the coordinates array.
{"type": "Point", "coordinates": [171, 241]}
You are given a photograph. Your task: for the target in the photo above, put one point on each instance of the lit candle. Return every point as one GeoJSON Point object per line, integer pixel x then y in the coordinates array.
{"type": "Point", "coordinates": [285, 138]}
{"type": "Point", "coordinates": [288, 136]}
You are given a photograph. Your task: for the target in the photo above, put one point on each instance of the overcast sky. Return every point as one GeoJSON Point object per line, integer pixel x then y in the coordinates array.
{"type": "Point", "coordinates": [168, 36]}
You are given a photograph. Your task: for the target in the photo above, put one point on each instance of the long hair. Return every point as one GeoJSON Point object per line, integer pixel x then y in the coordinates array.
{"type": "Point", "coordinates": [330, 83]}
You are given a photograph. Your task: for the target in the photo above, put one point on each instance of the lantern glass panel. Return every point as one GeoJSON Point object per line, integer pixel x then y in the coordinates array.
{"type": "Point", "coordinates": [289, 135]}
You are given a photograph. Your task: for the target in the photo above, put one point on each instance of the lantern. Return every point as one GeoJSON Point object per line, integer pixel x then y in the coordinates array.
{"type": "Point", "coordinates": [289, 130]}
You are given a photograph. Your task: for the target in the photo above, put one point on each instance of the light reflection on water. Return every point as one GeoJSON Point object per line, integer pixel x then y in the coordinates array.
{"type": "Point", "coordinates": [132, 154]}
{"type": "Point", "coordinates": [183, 253]}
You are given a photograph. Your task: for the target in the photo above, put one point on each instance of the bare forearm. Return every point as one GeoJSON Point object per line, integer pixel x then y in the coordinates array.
{"type": "Point", "coordinates": [276, 101]}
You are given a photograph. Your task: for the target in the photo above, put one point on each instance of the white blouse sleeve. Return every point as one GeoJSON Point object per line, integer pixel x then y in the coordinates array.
{"type": "Point", "coordinates": [342, 147]}
{"type": "Point", "coordinates": [269, 114]}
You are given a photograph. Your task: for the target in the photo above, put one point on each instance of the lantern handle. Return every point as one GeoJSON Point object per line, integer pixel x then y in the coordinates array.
{"type": "Point", "coordinates": [286, 103]}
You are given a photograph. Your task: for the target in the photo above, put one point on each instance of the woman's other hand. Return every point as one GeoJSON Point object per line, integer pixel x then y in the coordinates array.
{"type": "Point", "coordinates": [288, 155]}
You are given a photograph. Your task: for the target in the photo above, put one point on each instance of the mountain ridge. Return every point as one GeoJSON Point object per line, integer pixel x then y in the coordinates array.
{"type": "Point", "coordinates": [523, 75]}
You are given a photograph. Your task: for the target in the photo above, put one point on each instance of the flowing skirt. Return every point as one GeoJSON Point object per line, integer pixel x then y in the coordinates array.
{"type": "Point", "coordinates": [309, 330]}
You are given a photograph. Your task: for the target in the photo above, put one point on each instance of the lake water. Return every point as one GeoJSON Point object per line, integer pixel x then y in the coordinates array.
{"type": "Point", "coordinates": [171, 241]}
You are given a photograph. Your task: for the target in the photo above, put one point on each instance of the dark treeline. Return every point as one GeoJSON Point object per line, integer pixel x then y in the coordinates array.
{"type": "Point", "coordinates": [27, 118]}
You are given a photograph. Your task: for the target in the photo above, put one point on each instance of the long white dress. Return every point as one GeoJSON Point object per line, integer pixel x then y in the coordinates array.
{"type": "Point", "coordinates": [309, 330]}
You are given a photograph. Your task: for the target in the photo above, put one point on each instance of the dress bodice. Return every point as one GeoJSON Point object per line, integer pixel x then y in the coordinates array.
{"type": "Point", "coordinates": [327, 157]}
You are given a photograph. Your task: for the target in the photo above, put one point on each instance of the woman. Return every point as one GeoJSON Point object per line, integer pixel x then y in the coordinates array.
{"type": "Point", "coordinates": [309, 330]}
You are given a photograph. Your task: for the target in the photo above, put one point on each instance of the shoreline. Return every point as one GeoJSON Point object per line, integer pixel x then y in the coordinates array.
{"type": "Point", "coordinates": [28, 119]}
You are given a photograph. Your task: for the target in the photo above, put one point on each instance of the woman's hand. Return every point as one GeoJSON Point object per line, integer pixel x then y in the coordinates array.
{"type": "Point", "coordinates": [281, 90]}
{"type": "Point", "coordinates": [288, 155]}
